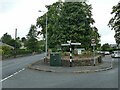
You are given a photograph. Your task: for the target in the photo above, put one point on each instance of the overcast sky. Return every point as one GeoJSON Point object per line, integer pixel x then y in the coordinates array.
{"type": "Point", "coordinates": [21, 14]}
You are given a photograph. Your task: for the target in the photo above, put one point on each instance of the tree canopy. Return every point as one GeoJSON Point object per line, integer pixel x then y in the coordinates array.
{"type": "Point", "coordinates": [69, 21]}
{"type": "Point", "coordinates": [6, 38]}
{"type": "Point", "coordinates": [114, 22]}
{"type": "Point", "coordinates": [32, 42]}
{"type": "Point", "coordinates": [105, 47]}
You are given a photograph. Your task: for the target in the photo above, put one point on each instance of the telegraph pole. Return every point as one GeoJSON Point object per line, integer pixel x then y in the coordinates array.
{"type": "Point", "coordinates": [46, 35]}
{"type": "Point", "coordinates": [15, 43]}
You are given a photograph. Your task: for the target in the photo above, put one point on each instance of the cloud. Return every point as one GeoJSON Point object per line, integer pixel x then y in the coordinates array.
{"type": "Point", "coordinates": [21, 16]}
{"type": "Point", "coordinates": [101, 14]}
{"type": "Point", "coordinates": [7, 5]}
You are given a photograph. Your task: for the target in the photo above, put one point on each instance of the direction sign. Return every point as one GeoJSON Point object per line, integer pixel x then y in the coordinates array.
{"type": "Point", "coordinates": [71, 44]}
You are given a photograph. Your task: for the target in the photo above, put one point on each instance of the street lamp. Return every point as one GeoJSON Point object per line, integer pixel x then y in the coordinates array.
{"type": "Point", "coordinates": [46, 32]}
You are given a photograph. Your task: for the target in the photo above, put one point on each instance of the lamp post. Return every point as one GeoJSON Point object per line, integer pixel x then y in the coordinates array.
{"type": "Point", "coordinates": [46, 33]}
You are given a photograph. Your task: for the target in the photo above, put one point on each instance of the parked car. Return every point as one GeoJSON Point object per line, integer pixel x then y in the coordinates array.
{"type": "Point", "coordinates": [115, 54]}
{"type": "Point", "coordinates": [106, 52]}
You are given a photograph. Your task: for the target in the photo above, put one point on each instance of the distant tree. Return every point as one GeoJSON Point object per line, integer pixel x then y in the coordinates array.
{"type": "Point", "coordinates": [41, 45]}
{"type": "Point", "coordinates": [114, 22]}
{"type": "Point", "coordinates": [15, 43]}
{"type": "Point", "coordinates": [32, 42]}
{"type": "Point", "coordinates": [6, 38]}
{"type": "Point", "coordinates": [105, 47]}
{"type": "Point", "coordinates": [23, 39]}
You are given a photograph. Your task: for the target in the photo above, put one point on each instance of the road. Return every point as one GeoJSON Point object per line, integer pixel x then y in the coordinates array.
{"type": "Point", "coordinates": [14, 65]}
{"type": "Point", "coordinates": [39, 79]}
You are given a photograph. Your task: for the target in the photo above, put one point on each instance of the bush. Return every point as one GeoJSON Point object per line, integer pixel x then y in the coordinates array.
{"type": "Point", "coordinates": [1, 51]}
{"type": "Point", "coordinates": [86, 54]}
{"type": "Point", "coordinates": [6, 51]}
{"type": "Point", "coordinates": [54, 50]}
{"type": "Point", "coordinates": [23, 51]}
{"type": "Point", "coordinates": [65, 54]}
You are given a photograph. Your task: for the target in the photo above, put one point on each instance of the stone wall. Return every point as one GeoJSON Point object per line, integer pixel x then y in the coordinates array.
{"type": "Point", "coordinates": [79, 62]}
{"type": "Point", "coordinates": [83, 61]}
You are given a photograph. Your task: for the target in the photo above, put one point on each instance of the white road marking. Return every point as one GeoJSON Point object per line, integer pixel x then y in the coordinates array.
{"type": "Point", "coordinates": [12, 75]}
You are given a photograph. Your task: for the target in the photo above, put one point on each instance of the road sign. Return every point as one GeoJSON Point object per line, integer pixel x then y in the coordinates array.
{"type": "Point", "coordinates": [92, 40]}
{"type": "Point", "coordinates": [93, 44]}
{"type": "Point", "coordinates": [71, 44]}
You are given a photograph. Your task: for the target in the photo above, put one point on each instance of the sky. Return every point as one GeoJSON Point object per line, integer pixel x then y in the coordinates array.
{"type": "Point", "coordinates": [21, 14]}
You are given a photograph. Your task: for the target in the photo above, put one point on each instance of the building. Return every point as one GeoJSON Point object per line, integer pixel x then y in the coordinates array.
{"type": "Point", "coordinates": [4, 44]}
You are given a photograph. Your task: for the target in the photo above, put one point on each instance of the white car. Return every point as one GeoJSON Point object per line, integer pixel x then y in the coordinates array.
{"type": "Point", "coordinates": [115, 54]}
{"type": "Point", "coordinates": [106, 53]}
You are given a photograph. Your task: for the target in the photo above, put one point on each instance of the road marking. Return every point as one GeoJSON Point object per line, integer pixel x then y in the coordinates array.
{"type": "Point", "coordinates": [12, 75]}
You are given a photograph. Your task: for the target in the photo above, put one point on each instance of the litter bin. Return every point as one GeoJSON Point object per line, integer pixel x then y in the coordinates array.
{"type": "Point", "coordinates": [55, 59]}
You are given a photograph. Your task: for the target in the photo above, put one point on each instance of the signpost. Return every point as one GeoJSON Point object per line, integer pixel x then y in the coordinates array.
{"type": "Point", "coordinates": [93, 44]}
{"type": "Point", "coordinates": [70, 44]}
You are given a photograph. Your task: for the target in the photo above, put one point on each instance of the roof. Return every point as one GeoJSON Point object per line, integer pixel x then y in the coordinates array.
{"type": "Point", "coordinates": [4, 44]}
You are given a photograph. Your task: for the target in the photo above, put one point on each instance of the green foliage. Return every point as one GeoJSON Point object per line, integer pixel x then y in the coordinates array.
{"type": "Point", "coordinates": [7, 39]}
{"type": "Point", "coordinates": [32, 42]}
{"type": "Point", "coordinates": [114, 22]}
{"type": "Point", "coordinates": [106, 47]}
{"type": "Point", "coordinates": [86, 54]}
{"type": "Point", "coordinates": [1, 50]}
{"type": "Point", "coordinates": [69, 21]}
{"type": "Point", "coordinates": [15, 43]}
{"type": "Point", "coordinates": [41, 45]}
{"type": "Point", "coordinates": [23, 51]}
{"type": "Point", "coordinates": [6, 51]}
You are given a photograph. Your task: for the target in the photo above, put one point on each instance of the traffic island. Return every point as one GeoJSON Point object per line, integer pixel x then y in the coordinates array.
{"type": "Point", "coordinates": [45, 66]}
{"type": "Point", "coordinates": [56, 59]}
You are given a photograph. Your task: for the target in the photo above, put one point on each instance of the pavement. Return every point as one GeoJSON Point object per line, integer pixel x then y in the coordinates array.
{"type": "Point", "coordinates": [41, 66]}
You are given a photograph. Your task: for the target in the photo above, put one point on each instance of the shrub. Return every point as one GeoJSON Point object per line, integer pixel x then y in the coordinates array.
{"type": "Point", "coordinates": [1, 51]}
{"type": "Point", "coordinates": [6, 51]}
{"type": "Point", "coordinates": [23, 51]}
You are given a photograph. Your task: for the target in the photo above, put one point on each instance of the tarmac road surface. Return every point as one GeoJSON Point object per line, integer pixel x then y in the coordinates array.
{"type": "Point", "coordinates": [28, 78]}
{"type": "Point", "coordinates": [14, 65]}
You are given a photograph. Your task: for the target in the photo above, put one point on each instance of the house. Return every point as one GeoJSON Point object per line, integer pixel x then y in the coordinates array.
{"type": "Point", "coordinates": [4, 44]}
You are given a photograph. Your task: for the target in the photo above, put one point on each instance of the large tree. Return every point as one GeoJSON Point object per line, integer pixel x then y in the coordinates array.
{"type": "Point", "coordinates": [69, 21]}
{"type": "Point", "coordinates": [114, 22]}
{"type": "Point", "coordinates": [32, 42]}
{"type": "Point", "coordinates": [6, 38]}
